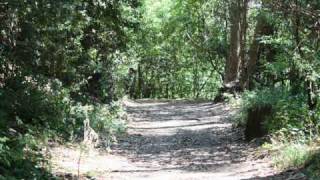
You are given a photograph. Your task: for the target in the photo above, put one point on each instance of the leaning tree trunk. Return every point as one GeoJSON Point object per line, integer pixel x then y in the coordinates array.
{"type": "Point", "coordinates": [250, 66]}
{"type": "Point", "coordinates": [263, 27]}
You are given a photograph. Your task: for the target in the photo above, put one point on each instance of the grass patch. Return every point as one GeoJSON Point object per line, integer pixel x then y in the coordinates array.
{"type": "Point", "coordinates": [313, 167]}
{"type": "Point", "coordinates": [296, 155]}
{"type": "Point", "coordinates": [292, 156]}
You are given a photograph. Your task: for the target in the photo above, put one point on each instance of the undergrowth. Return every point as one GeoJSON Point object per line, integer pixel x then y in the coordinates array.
{"type": "Point", "coordinates": [293, 128]}
{"type": "Point", "coordinates": [33, 116]}
{"type": "Point", "coordinates": [300, 155]}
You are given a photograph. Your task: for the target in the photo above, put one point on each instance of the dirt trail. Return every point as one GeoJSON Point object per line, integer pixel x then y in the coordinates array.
{"type": "Point", "coordinates": [174, 140]}
{"type": "Point", "coordinates": [185, 140]}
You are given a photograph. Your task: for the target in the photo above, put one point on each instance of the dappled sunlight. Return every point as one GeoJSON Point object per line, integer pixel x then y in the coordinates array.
{"type": "Point", "coordinates": [159, 89]}
{"type": "Point", "coordinates": [188, 116]}
{"type": "Point", "coordinates": [190, 137]}
{"type": "Point", "coordinates": [170, 140]}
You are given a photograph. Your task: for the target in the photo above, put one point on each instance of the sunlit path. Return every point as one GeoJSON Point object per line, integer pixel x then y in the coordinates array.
{"type": "Point", "coordinates": [184, 140]}
{"type": "Point", "coordinates": [172, 140]}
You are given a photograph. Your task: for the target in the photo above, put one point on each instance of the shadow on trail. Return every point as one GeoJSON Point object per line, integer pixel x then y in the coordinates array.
{"type": "Point", "coordinates": [176, 111]}
{"type": "Point", "coordinates": [186, 150]}
{"type": "Point", "coordinates": [181, 126]}
{"type": "Point", "coordinates": [197, 150]}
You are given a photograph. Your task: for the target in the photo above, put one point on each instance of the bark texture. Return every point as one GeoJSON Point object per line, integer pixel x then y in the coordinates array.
{"type": "Point", "coordinates": [238, 26]}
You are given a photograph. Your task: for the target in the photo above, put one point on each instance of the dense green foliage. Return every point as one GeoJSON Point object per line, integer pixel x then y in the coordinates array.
{"type": "Point", "coordinates": [57, 58]}
{"type": "Point", "coordinates": [62, 62]}
{"type": "Point", "coordinates": [290, 113]}
{"type": "Point", "coordinates": [181, 47]}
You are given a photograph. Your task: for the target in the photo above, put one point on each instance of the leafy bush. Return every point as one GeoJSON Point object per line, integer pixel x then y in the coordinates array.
{"type": "Point", "coordinates": [28, 104]}
{"type": "Point", "coordinates": [313, 166]}
{"type": "Point", "coordinates": [257, 98]}
{"type": "Point", "coordinates": [106, 120]}
{"type": "Point", "coordinates": [33, 112]}
{"type": "Point", "coordinates": [293, 127]}
{"type": "Point", "coordinates": [30, 113]}
{"type": "Point", "coordinates": [291, 116]}
{"type": "Point", "coordinates": [21, 157]}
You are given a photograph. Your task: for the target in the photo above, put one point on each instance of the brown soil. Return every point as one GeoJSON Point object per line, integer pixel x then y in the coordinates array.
{"type": "Point", "coordinates": [172, 140]}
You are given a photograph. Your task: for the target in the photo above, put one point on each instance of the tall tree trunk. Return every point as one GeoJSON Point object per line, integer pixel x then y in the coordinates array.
{"type": "Point", "coordinates": [294, 76]}
{"type": "Point", "coordinates": [195, 76]}
{"type": "Point", "coordinates": [140, 82]}
{"type": "Point", "coordinates": [243, 36]}
{"type": "Point", "coordinates": [110, 82]}
{"type": "Point", "coordinates": [238, 11]}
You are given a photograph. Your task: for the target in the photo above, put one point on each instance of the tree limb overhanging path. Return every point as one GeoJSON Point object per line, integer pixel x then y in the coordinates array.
{"type": "Point", "coordinates": [173, 140]}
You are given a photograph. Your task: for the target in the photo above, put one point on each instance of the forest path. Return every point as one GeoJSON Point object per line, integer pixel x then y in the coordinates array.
{"type": "Point", "coordinates": [170, 140]}
{"type": "Point", "coordinates": [184, 140]}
